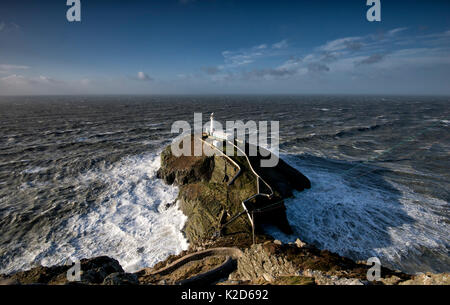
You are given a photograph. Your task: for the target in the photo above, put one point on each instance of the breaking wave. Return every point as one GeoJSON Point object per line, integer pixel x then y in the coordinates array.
{"type": "Point", "coordinates": [135, 222]}
{"type": "Point", "coordinates": [361, 217]}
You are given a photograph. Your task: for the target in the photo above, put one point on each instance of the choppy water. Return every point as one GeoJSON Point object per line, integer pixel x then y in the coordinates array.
{"type": "Point", "coordinates": [77, 176]}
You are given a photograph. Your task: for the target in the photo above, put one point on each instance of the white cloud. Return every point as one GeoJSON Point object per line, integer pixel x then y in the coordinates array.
{"type": "Point", "coordinates": [261, 46]}
{"type": "Point", "coordinates": [397, 30]}
{"type": "Point", "coordinates": [239, 58]}
{"type": "Point", "coordinates": [15, 79]}
{"type": "Point", "coordinates": [246, 56]}
{"type": "Point", "coordinates": [280, 45]}
{"type": "Point", "coordinates": [339, 44]}
{"type": "Point", "coordinates": [13, 67]}
{"type": "Point", "coordinates": [49, 80]}
{"type": "Point", "coordinates": [143, 76]}
{"type": "Point", "coordinates": [292, 64]}
{"type": "Point", "coordinates": [9, 27]}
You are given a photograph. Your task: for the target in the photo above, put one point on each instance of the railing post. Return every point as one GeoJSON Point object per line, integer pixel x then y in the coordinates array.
{"type": "Point", "coordinates": [253, 227]}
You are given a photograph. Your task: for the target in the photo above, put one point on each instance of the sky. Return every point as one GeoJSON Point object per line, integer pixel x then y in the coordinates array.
{"type": "Point", "coordinates": [224, 47]}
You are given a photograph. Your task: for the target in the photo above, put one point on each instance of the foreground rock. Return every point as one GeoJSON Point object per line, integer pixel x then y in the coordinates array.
{"type": "Point", "coordinates": [93, 271]}
{"type": "Point", "coordinates": [265, 263]}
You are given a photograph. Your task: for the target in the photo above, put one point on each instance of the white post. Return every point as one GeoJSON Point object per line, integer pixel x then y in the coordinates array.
{"type": "Point", "coordinates": [211, 129]}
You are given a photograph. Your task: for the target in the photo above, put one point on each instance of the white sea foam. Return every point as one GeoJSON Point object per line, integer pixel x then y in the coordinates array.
{"type": "Point", "coordinates": [35, 170]}
{"type": "Point", "coordinates": [360, 220]}
{"type": "Point", "coordinates": [131, 223]}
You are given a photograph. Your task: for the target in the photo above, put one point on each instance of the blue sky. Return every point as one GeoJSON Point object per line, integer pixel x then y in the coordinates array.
{"type": "Point", "coordinates": [224, 47]}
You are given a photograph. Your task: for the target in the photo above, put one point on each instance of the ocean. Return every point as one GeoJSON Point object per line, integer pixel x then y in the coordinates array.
{"type": "Point", "coordinates": [78, 176]}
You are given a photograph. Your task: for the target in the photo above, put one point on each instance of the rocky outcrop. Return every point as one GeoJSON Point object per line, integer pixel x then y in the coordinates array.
{"type": "Point", "coordinates": [258, 262]}
{"type": "Point", "coordinates": [121, 278]}
{"type": "Point", "coordinates": [428, 279]}
{"type": "Point", "coordinates": [184, 170]}
{"type": "Point", "coordinates": [209, 201]}
{"type": "Point", "coordinates": [301, 264]}
{"type": "Point", "coordinates": [92, 271]}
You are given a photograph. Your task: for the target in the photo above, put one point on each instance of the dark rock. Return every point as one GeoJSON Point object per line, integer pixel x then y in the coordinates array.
{"type": "Point", "coordinates": [184, 169]}
{"type": "Point", "coordinates": [93, 271]}
{"type": "Point", "coordinates": [120, 278]}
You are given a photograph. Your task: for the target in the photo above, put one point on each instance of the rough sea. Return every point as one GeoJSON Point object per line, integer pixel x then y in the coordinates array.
{"type": "Point", "coordinates": [77, 176]}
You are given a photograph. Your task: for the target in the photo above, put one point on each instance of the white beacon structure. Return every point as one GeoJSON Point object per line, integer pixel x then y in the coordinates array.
{"type": "Point", "coordinates": [211, 126]}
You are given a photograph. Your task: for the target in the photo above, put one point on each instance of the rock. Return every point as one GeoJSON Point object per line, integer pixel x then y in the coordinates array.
{"type": "Point", "coordinates": [393, 280]}
{"type": "Point", "coordinates": [8, 281]}
{"type": "Point", "coordinates": [257, 262]}
{"type": "Point", "coordinates": [95, 270]}
{"type": "Point", "coordinates": [203, 196]}
{"type": "Point", "coordinates": [184, 169]}
{"type": "Point", "coordinates": [294, 280]}
{"type": "Point", "coordinates": [268, 277]}
{"type": "Point", "coordinates": [208, 201]}
{"type": "Point", "coordinates": [349, 282]}
{"type": "Point", "coordinates": [92, 270]}
{"type": "Point", "coordinates": [299, 243]}
{"type": "Point", "coordinates": [429, 279]}
{"type": "Point", "coordinates": [321, 278]}
{"type": "Point", "coordinates": [120, 278]}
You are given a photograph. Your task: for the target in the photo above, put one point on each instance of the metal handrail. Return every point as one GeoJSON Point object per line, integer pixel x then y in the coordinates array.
{"type": "Point", "coordinates": [228, 158]}
{"type": "Point", "coordinates": [258, 177]}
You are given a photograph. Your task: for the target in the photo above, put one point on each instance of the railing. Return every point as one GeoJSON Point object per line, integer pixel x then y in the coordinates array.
{"type": "Point", "coordinates": [228, 158]}
{"type": "Point", "coordinates": [258, 177]}
{"type": "Point", "coordinates": [258, 180]}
